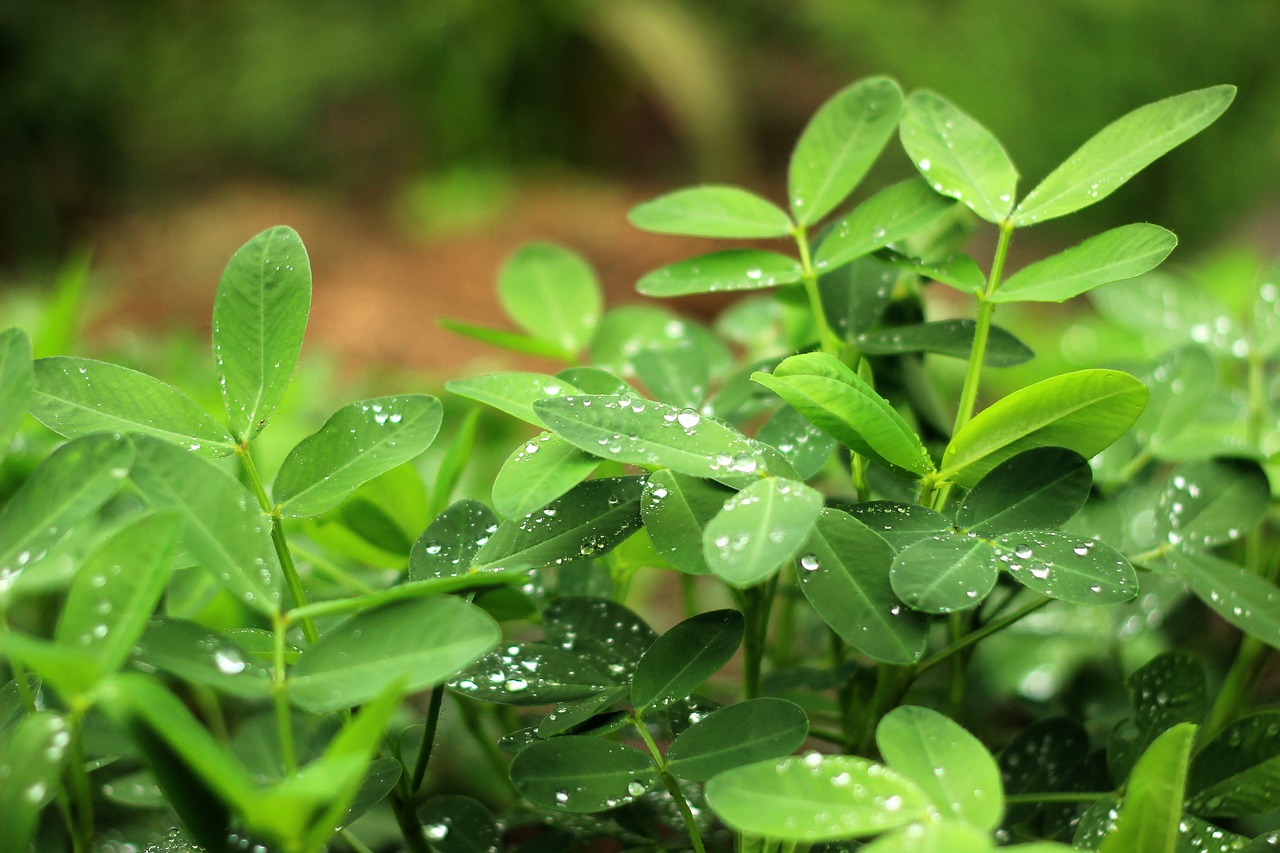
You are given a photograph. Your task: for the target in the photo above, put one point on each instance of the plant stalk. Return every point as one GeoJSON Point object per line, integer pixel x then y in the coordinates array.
{"type": "Point", "coordinates": [992, 627]}
{"type": "Point", "coordinates": [827, 337]}
{"type": "Point", "coordinates": [677, 796]}
{"type": "Point", "coordinates": [280, 692]}
{"type": "Point", "coordinates": [428, 740]}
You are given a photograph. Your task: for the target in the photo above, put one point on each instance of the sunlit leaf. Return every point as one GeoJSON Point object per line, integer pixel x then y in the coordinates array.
{"type": "Point", "coordinates": [552, 294]}
{"type": "Point", "coordinates": [712, 210]}
{"type": "Point", "coordinates": [1114, 255]}
{"type": "Point", "coordinates": [732, 269]}
{"type": "Point", "coordinates": [759, 529]}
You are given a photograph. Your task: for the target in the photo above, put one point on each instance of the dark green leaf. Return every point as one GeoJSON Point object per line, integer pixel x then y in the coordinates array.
{"type": "Point", "coordinates": [200, 656]}
{"type": "Point", "coordinates": [890, 215]}
{"type": "Point", "coordinates": [80, 396]}
{"type": "Point", "coordinates": [958, 271]}
{"type": "Point", "coordinates": [1082, 411]}
{"type": "Point", "coordinates": [711, 210]}
{"type": "Point", "coordinates": [815, 798]}
{"type": "Point", "coordinates": [17, 379]}
{"type": "Point", "coordinates": [226, 532]}
{"type": "Point", "coordinates": [901, 525]}
{"type": "Point", "coordinates": [1037, 489]}
{"type": "Point", "coordinates": [685, 657]}
{"type": "Point", "coordinates": [732, 269]}
{"type": "Point", "coordinates": [759, 529]}
{"type": "Point", "coordinates": [581, 774]}
{"type": "Point", "coordinates": [377, 785]}
{"type": "Point", "coordinates": [839, 144]}
{"type": "Point", "coordinates": [949, 764]}
{"type": "Point", "coordinates": [1114, 255]}
{"type": "Point", "coordinates": [539, 471]}
{"type": "Point", "coordinates": [1120, 150]}
{"type": "Point", "coordinates": [118, 587]}
{"type": "Point", "coordinates": [635, 431]}
{"type": "Point", "coordinates": [845, 576]}
{"type": "Point", "coordinates": [842, 404]}
{"type": "Point", "coordinates": [855, 296]}
{"type": "Point", "coordinates": [1168, 690]}
{"type": "Point", "coordinates": [944, 574]}
{"type": "Point", "coordinates": [30, 766]}
{"type": "Point", "coordinates": [552, 294]}
{"type": "Point", "coordinates": [1067, 567]}
{"type": "Point", "coordinates": [1152, 806]}
{"type": "Point", "coordinates": [1207, 504]}
{"type": "Point", "coordinates": [357, 443]}
{"type": "Point", "coordinates": [946, 337]}
{"type": "Point", "coordinates": [450, 544]}
{"type": "Point", "coordinates": [583, 716]}
{"type": "Point", "coordinates": [513, 393]}
{"type": "Point", "coordinates": [805, 446]}
{"type": "Point", "coordinates": [457, 824]}
{"type": "Point", "coordinates": [743, 733]}
{"type": "Point", "coordinates": [591, 519]}
{"type": "Point", "coordinates": [600, 629]}
{"type": "Point", "coordinates": [424, 641]}
{"type": "Point", "coordinates": [259, 318]}
{"type": "Point", "coordinates": [1040, 759]}
{"type": "Point", "coordinates": [957, 156]}
{"type": "Point", "coordinates": [533, 674]}
{"type": "Point", "coordinates": [1237, 772]}
{"type": "Point", "coordinates": [1247, 601]}
{"type": "Point", "coordinates": [676, 508]}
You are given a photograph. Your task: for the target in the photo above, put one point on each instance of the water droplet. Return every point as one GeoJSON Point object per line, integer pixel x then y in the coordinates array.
{"type": "Point", "coordinates": [228, 661]}
{"type": "Point", "coordinates": [688, 418]}
{"type": "Point", "coordinates": [809, 562]}
{"type": "Point", "coordinates": [635, 788]}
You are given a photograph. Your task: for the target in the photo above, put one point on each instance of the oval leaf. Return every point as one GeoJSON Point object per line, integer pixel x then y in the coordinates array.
{"type": "Point", "coordinates": [32, 757]}
{"type": "Point", "coordinates": [259, 318]}
{"type": "Point", "coordinates": [946, 337]}
{"type": "Point", "coordinates": [686, 656]}
{"type": "Point", "coordinates": [581, 774]}
{"type": "Point", "coordinates": [733, 269]}
{"type": "Point", "coordinates": [17, 378]}
{"type": "Point", "coordinates": [839, 144]}
{"type": "Point", "coordinates": [676, 509]}
{"type": "Point", "coordinates": [513, 393]}
{"type": "Point", "coordinates": [1114, 255]}
{"type": "Point", "coordinates": [532, 674]}
{"type": "Point", "coordinates": [1207, 504]}
{"type": "Point", "coordinates": [198, 655]}
{"type": "Point", "coordinates": [552, 294]}
{"type": "Point", "coordinates": [957, 156]}
{"type": "Point", "coordinates": [539, 471]}
{"type": "Point", "coordinates": [80, 396]}
{"type": "Point", "coordinates": [888, 216]}
{"type": "Point", "coordinates": [1247, 601]}
{"type": "Point", "coordinates": [713, 210]}
{"type": "Point", "coordinates": [805, 446]}
{"type": "Point", "coordinates": [815, 798]}
{"type": "Point", "coordinates": [1237, 773]}
{"type": "Point", "coordinates": [1037, 489]}
{"type": "Point", "coordinates": [599, 629]}
{"type": "Point", "coordinates": [1152, 806]}
{"type": "Point", "coordinates": [450, 543]}
{"type": "Point", "coordinates": [1067, 567]}
{"type": "Point", "coordinates": [759, 529]}
{"type": "Point", "coordinates": [1084, 411]}
{"type": "Point", "coordinates": [1120, 150]}
{"type": "Point", "coordinates": [743, 733]}
{"type": "Point", "coordinates": [423, 641]}
{"type": "Point", "coordinates": [357, 443]}
{"type": "Point", "coordinates": [944, 574]}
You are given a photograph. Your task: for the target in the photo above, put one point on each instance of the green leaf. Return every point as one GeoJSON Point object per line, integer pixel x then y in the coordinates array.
{"type": "Point", "coordinates": [591, 519]}
{"type": "Point", "coordinates": [957, 271]}
{"type": "Point", "coordinates": [1037, 489]}
{"type": "Point", "coordinates": [513, 393]}
{"type": "Point", "coordinates": [600, 630]}
{"type": "Point", "coordinates": [950, 765]}
{"type": "Point", "coordinates": [357, 443]}
{"type": "Point", "coordinates": [1067, 567]}
{"type": "Point", "coordinates": [1237, 773]}
{"type": "Point", "coordinates": [71, 483]}
{"type": "Point", "coordinates": [890, 215]}
{"type": "Point", "coordinates": [685, 657]}
{"type": "Point", "coordinates": [259, 319]}
{"type": "Point", "coordinates": [678, 374]}
{"type": "Point", "coordinates": [539, 471]}
{"type": "Point", "coordinates": [198, 655]}
{"type": "Point", "coordinates": [632, 329]}
{"type": "Point", "coordinates": [1264, 326]}
{"type": "Point", "coordinates": [746, 732]}
{"type": "Point", "coordinates": [70, 671]}
{"type": "Point", "coordinates": [226, 532]}
{"type": "Point", "coordinates": [945, 836]}
{"type": "Point", "coordinates": [1180, 384]}
{"type": "Point", "coordinates": [1244, 599]}
{"type": "Point", "coordinates": [1084, 411]}
{"type": "Point", "coordinates": [845, 576]}
{"type": "Point", "coordinates": [118, 587]}
{"type": "Point", "coordinates": [1041, 759]}
{"type": "Point", "coordinates": [901, 525]}
{"type": "Point", "coordinates": [957, 156]}
{"type": "Point", "coordinates": [759, 529]}
{"type": "Point", "coordinates": [1171, 310]}
{"type": "Point", "coordinates": [377, 785]}
{"type": "Point", "coordinates": [805, 446]}
{"type": "Point", "coordinates": [676, 509]}
{"type": "Point", "coordinates": [944, 574]}
{"type": "Point", "coordinates": [1121, 150]}
{"type": "Point", "coordinates": [80, 396]}
{"type": "Point", "coordinates": [1152, 806]}
{"type": "Point", "coordinates": [1167, 690]}
{"type": "Point", "coordinates": [711, 210]}
{"type": "Point", "coordinates": [1114, 255]}
{"type": "Point", "coordinates": [424, 641]}
{"type": "Point", "coordinates": [839, 144]}
{"type": "Point", "coordinates": [638, 432]}
{"type": "Point", "coordinates": [17, 379]}
{"type": "Point", "coordinates": [594, 380]}
{"type": "Point", "coordinates": [450, 543]}
{"type": "Point", "coordinates": [585, 716]}
{"type": "Point", "coordinates": [456, 824]}
{"type": "Point", "coordinates": [30, 766]}
{"type": "Point", "coordinates": [815, 798]}
{"type": "Point", "coordinates": [1210, 503]}
{"type": "Point", "coordinates": [512, 341]}
{"type": "Point", "coordinates": [729, 270]}
{"type": "Point", "coordinates": [552, 294]}
{"type": "Point", "coordinates": [844, 406]}
{"type": "Point", "coordinates": [581, 775]}
{"type": "Point", "coordinates": [522, 673]}
{"type": "Point", "coordinates": [854, 298]}
{"type": "Point", "coordinates": [946, 337]}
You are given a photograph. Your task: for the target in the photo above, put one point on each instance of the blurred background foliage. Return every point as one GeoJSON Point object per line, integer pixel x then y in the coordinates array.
{"type": "Point", "coordinates": [435, 108]}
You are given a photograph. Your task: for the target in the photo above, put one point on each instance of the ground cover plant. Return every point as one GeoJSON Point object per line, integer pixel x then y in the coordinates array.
{"type": "Point", "coordinates": [859, 553]}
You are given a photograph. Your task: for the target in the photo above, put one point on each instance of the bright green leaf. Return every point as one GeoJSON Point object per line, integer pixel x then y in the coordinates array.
{"type": "Point", "coordinates": [944, 574]}
{"type": "Point", "coordinates": [511, 341]}
{"type": "Point", "coordinates": [539, 471]}
{"type": "Point", "coordinates": [676, 509]}
{"type": "Point", "coordinates": [31, 758]}
{"type": "Point", "coordinates": [679, 374]}
{"type": "Point", "coordinates": [17, 379]}
{"type": "Point", "coordinates": [890, 215]}
{"type": "Point", "coordinates": [1152, 806]}
{"type": "Point", "coordinates": [940, 836]}
{"type": "Point", "coordinates": [712, 210]}
{"type": "Point", "coordinates": [732, 269]}
{"type": "Point", "coordinates": [759, 529]}
{"type": "Point", "coordinates": [1244, 599]}
{"type": "Point", "coordinates": [1114, 255]}
{"type": "Point", "coordinates": [552, 294]}
{"type": "Point", "coordinates": [513, 393]}
{"type": "Point", "coordinates": [682, 659]}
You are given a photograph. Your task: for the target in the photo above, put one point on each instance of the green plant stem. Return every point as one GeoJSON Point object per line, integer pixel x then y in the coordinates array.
{"type": "Point", "coordinates": [280, 692]}
{"type": "Point", "coordinates": [958, 624]}
{"type": "Point", "coordinates": [410, 826]}
{"type": "Point", "coordinates": [1234, 688]}
{"type": "Point", "coordinates": [757, 601]}
{"type": "Point", "coordinates": [78, 785]}
{"type": "Point", "coordinates": [349, 838]}
{"type": "Point", "coordinates": [890, 684]}
{"type": "Point", "coordinates": [992, 627]}
{"type": "Point", "coordinates": [780, 653]}
{"type": "Point", "coordinates": [1058, 797]}
{"type": "Point", "coordinates": [677, 796]}
{"type": "Point", "coordinates": [428, 739]}
{"type": "Point", "coordinates": [20, 681]}
{"type": "Point", "coordinates": [827, 337]}
{"type": "Point", "coordinates": [474, 726]}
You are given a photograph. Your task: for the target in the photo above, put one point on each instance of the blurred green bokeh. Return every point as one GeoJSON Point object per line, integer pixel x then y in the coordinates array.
{"type": "Point", "coordinates": [105, 105]}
